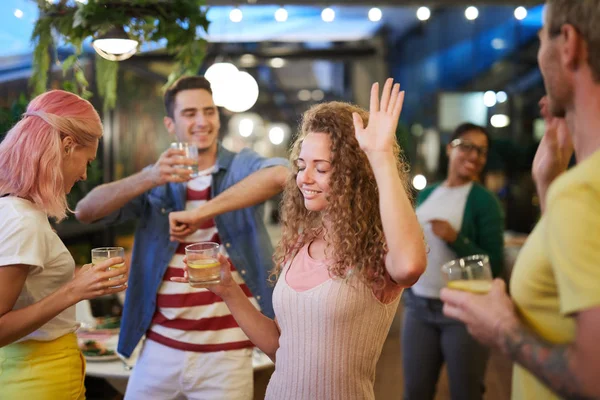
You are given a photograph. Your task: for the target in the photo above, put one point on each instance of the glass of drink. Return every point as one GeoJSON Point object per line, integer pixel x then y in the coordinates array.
{"type": "Point", "coordinates": [191, 152]}
{"type": "Point", "coordinates": [471, 274]}
{"type": "Point", "coordinates": [104, 253]}
{"type": "Point", "coordinates": [203, 264]}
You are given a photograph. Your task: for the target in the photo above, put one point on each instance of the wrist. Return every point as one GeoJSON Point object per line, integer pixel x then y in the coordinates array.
{"type": "Point", "coordinates": [150, 179]}
{"type": "Point", "coordinates": [541, 180]}
{"type": "Point", "coordinates": [506, 329]}
{"type": "Point", "coordinates": [379, 159]}
{"type": "Point", "coordinates": [201, 213]}
{"type": "Point", "coordinates": [68, 293]}
{"type": "Point", "coordinates": [231, 291]}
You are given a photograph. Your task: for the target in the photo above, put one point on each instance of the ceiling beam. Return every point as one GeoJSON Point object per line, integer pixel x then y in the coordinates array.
{"type": "Point", "coordinates": [341, 53]}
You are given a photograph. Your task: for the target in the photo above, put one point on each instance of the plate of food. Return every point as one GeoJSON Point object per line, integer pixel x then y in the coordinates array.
{"type": "Point", "coordinates": [108, 323]}
{"type": "Point", "coordinates": [96, 351]}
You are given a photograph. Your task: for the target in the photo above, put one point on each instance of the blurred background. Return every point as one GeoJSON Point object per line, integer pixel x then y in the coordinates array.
{"type": "Point", "coordinates": [457, 61]}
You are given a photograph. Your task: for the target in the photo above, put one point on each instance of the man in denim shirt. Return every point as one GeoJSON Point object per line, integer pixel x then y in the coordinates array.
{"type": "Point", "coordinates": [194, 347]}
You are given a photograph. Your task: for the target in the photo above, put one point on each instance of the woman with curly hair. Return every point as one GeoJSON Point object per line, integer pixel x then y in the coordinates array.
{"type": "Point", "coordinates": [351, 242]}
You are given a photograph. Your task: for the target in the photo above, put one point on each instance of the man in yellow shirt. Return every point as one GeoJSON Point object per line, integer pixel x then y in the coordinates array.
{"type": "Point", "coordinates": [552, 330]}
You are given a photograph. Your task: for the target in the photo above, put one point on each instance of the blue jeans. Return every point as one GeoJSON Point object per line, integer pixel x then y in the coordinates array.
{"type": "Point", "coordinates": [428, 340]}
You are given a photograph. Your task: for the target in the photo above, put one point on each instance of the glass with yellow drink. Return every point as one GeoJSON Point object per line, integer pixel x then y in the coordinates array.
{"type": "Point", "coordinates": [104, 253]}
{"type": "Point", "coordinates": [203, 264]}
{"type": "Point", "coordinates": [472, 274]}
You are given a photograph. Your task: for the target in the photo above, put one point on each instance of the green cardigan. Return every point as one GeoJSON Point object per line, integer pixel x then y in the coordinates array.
{"type": "Point", "coordinates": [482, 230]}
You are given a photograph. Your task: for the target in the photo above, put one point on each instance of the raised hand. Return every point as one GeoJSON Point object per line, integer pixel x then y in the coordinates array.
{"type": "Point", "coordinates": [167, 167]}
{"type": "Point", "coordinates": [555, 149]}
{"type": "Point", "coordinates": [380, 134]}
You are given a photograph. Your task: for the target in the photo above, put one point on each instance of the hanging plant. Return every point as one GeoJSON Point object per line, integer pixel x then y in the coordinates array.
{"type": "Point", "coordinates": [176, 22]}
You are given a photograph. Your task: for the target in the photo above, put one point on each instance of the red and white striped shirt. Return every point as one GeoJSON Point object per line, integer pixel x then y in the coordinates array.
{"type": "Point", "coordinates": [193, 319]}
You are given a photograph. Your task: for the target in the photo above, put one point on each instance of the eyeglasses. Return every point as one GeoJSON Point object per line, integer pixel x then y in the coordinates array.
{"type": "Point", "coordinates": [468, 147]}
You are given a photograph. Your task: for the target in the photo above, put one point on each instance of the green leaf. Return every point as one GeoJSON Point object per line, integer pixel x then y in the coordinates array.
{"type": "Point", "coordinates": [86, 94]}
{"type": "Point", "coordinates": [79, 19]}
{"type": "Point", "coordinates": [69, 86]}
{"type": "Point", "coordinates": [106, 81]}
{"type": "Point", "coordinates": [80, 78]}
{"type": "Point", "coordinates": [68, 63]}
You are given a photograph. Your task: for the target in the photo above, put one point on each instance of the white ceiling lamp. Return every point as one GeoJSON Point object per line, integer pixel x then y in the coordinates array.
{"type": "Point", "coordinates": [220, 71]}
{"type": "Point", "coordinates": [489, 98]}
{"type": "Point", "coordinates": [281, 15]}
{"type": "Point", "coordinates": [276, 135]}
{"type": "Point", "coordinates": [246, 127]}
{"type": "Point", "coordinates": [500, 121]}
{"type": "Point", "coordinates": [244, 92]}
{"type": "Point", "coordinates": [498, 44]}
{"type": "Point", "coordinates": [501, 97]}
{"type": "Point", "coordinates": [219, 75]}
{"type": "Point", "coordinates": [419, 182]}
{"type": "Point", "coordinates": [520, 13]}
{"type": "Point", "coordinates": [328, 15]}
{"type": "Point", "coordinates": [236, 15]}
{"type": "Point", "coordinates": [115, 45]}
{"type": "Point", "coordinates": [277, 62]}
{"type": "Point", "coordinates": [471, 13]}
{"type": "Point", "coordinates": [317, 95]}
{"type": "Point", "coordinates": [248, 60]}
{"type": "Point", "coordinates": [375, 14]}
{"type": "Point", "coordinates": [304, 95]}
{"type": "Point", "coordinates": [423, 13]}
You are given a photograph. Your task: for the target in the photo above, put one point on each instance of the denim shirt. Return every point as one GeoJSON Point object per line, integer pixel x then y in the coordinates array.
{"type": "Point", "coordinates": [242, 232]}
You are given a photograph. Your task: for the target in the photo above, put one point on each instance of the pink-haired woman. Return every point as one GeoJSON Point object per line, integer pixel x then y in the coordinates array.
{"type": "Point", "coordinates": [41, 158]}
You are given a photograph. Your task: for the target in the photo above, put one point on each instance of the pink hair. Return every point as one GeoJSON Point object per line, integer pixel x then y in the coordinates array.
{"type": "Point", "coordinates": [31, 154]}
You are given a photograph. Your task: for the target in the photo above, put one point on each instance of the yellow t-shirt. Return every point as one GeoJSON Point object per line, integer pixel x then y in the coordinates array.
{"type": "Point", "coordinates": [557, 273]}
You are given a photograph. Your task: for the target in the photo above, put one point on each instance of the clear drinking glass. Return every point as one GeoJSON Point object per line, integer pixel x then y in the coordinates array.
{"type": "Point", "coordinates": [191, 152]}
{"type": "Point", "coordinates": [203, 263]}
{"type": "Point", "coordinates": [471, 274]}
{"type": "Point", "coordinates": [104, 253]}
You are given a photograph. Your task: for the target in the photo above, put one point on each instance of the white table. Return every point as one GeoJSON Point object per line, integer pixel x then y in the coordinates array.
{"type": "Point", "coordinates": [116, 373]}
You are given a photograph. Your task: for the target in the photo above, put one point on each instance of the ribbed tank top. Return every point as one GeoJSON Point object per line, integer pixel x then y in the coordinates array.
{"type": "Point", "coordinates": [331, 339]}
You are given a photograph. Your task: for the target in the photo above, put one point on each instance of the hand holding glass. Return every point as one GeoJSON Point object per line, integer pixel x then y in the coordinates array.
{"type": "Point", "coordinates": [191, 153]}
{"type": "Point", "coordinates": [471, 274]}
{"type": "Point", "coordinates": [203, 263]}
{"type": "Point", "coordinates": [104, 253]}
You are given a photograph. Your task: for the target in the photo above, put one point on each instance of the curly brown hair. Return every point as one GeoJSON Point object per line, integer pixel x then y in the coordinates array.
{"type": "Point", "coordinates": [355, 240]}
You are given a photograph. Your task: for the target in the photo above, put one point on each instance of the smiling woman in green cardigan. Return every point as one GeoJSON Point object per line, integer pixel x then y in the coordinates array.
{"type": "Point", "coordinates": [459, 217]}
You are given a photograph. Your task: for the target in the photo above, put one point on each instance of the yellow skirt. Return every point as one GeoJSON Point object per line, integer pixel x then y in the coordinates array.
{"type": "Point", "coordinates": [52, 370]}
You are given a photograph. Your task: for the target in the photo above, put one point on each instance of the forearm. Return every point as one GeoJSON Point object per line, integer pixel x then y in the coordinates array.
{"type": "Point", "coordinates": [542, 190]}
{"type": "Point", "coordinates": [555, 365]}
{"type": "Point", "coordinates": [110, 197]}
{"type": "Point", "coordinates": [400, 225]}
{"type": "Point", "coordinates": [254, 189]}
{"type": "Point", "coordinates": [19, 323]}
{"type": "Point", "coordinates": [261, 330]}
